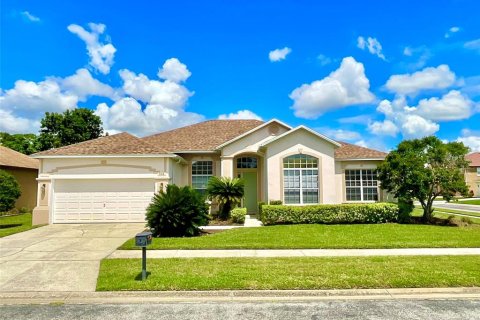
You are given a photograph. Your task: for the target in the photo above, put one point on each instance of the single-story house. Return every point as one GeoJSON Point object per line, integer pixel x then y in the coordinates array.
{"type": "Point", "coordinates": [113, 178]}
{"type": "Point", "coordinates": [472, 174]}
{"type": "Point", "coordinates": [25, 170]}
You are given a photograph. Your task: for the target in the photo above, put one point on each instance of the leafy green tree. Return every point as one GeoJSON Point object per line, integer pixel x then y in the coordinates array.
{"type": "Point", "coordinates": [424, 169]}
{"type": "Point", "coordinates": [10, 191]}
{"type": "Point", "coordinates": [72, 126]}
{"type": "Point", "coordinates": [177, 212]}
{"type": "Point", "coordinates": [227, 192]}
{"type": "Point", "coordinates": [23, 143]}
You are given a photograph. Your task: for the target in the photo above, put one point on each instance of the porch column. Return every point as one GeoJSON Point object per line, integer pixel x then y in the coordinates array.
{"type": "Point", "coordinates": [41, 213]}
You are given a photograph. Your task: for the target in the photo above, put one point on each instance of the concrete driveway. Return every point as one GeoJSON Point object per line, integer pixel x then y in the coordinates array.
{"type": "Point", "coordinates": [61, 257]}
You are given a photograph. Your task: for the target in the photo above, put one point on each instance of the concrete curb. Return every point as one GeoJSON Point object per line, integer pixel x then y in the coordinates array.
{"type": "Point", "coordinates": [247, 296]}
{"type": "Point", "coordinates": [266, 253]}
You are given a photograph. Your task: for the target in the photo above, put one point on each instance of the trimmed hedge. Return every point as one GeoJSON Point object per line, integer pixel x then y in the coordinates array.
{"type": "Point", "coordinates": [330, 213]}
{"type": "Point", "coordinates": [238, 215]}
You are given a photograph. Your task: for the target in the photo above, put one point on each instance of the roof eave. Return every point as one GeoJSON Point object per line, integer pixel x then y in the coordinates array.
{"type": "Point", "coordinates": [60, 156]}
{"type": "Point", "coordinates": [359, 159]}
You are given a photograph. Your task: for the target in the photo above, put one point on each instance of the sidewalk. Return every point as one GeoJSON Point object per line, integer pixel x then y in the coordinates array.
{"type": "Point", "coordinates": [162, 254]}
{"type": "Point", "coordinates": [137, 297]}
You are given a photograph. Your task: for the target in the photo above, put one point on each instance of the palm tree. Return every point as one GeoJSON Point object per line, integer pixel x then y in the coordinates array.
{"type": "Point", "coordinates": [227, 192]}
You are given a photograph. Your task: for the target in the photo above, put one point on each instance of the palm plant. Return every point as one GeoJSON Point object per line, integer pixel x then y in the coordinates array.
{"type": "Point", "coordinates": [227, 192]}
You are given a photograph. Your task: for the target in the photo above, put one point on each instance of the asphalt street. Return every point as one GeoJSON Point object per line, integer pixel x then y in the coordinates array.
{"type": "Point", "coordinates": [447, 309]}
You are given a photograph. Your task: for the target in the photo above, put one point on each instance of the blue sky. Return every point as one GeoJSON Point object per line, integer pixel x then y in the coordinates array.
{"type": "Point", "coordinates": [371, 73]}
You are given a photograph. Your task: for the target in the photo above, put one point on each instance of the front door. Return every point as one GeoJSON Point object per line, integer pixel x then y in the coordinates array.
{"type": "Point", "coordinates": [250, 199]}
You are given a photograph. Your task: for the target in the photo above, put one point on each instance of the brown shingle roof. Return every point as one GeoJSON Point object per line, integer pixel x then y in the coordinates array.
{"type": "Point", "coordinates": [12, 158]}
{"type": "Point", "coordinates": [351, 151]}
{"type": "Point", "coordinates": [121, 143]}
{"type": "Point", "coordinates": [474, 159]}
{"type": "Point", "coordinates": [202, 136]}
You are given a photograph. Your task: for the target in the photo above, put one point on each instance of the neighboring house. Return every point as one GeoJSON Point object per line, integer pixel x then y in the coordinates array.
{"type": "Point", "coordinates": [113, 178]}
{"type": "Point", "coordinates": [472, 174]}
{"type": "Point", "coordinates": [25, 170]}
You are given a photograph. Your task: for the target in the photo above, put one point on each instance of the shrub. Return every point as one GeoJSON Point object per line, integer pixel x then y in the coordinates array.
{"type": "Point", "coordinates": [10, 191]}
{"type": "Point", "coordinates": [260, 206]}
{"type": "Point", "coordinates": [226, 192]}
{"type": "Point", "coordinates": [177, 212]}
{"type": "Point", "coordinates": [275, 202]}
{"type": "Point", "coordinates": [471, 194]}
{"type": "Point", "coordinates": [238, 215]}
{"type": "Point", "coordinates": [330, 214]}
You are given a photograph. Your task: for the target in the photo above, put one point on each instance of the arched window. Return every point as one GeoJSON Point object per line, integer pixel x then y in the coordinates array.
{"type": "Point", "coordinates": [300, 179]}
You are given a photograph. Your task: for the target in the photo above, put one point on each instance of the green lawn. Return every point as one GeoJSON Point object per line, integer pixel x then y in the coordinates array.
{"type": "Point", "coordinates": [327, 236]}
{"type": "Point", "coordinates": [291, 273]}
{"type": "Point", "coordinates": [443, 213]}
{"type": "Point", "coordinates": [15, 224]}
{"type": "Point", "coordinates": [475, 202]}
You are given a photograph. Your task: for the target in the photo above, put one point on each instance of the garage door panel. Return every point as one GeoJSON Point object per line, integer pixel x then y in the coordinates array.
{"type": "Point", "coordinates": [123, 200]}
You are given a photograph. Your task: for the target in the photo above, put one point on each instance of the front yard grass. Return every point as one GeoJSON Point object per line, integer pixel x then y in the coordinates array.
{"type": "Point", "coordinates": [291, 273]}
{"type": "Point", "coordinates": [312, 236]}
{"type": "Point", "coordinates": [14, 224]}
{"type": "Point", "coordinates": [474, 202]}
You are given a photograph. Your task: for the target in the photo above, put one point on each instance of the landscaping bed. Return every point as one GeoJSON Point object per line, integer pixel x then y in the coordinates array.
{"type": "Point", "coordinates": [368, 236]}
{"type": "Point", "coordinates": [291, 273]}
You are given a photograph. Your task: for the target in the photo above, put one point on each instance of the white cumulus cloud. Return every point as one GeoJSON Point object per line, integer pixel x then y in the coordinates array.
{"type": "Point", "coordinates": [279, 54]}
{"type": "Point", "coordinates": [451, 106]}
{"type": "Point", "coordinates": [101, 54]}
{"type": "Point", "coordinates": [473, 142]}
{"type": "Point", "coordinates": [174, 70]}
{"type": "Point", "coordinates": [241, 114]}
{"type": "Point", "coordinates": [386, 127]}
{"type": "Point", "coordinates": [28, 98]}
{"type": "Point", "coordinates": [127, 115]}
{"type": "Point", "coordinates": [83, 85]}
{"type": "Point", "coordinates": [372, 45]}
{"type": "Point", "coordinates": [429, 78]}
{"type": "Point", "coordinates": [348, 85]}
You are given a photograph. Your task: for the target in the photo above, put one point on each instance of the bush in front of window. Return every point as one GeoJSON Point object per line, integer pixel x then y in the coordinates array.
{"type": "Point", "coordinates": [177, 212]}
{"type": "Point", "coordinates": [238, 215]}
{"type": "Point", "coordinates": [330, 213]}
{"type": "Point", "coordinates": [275, 202]}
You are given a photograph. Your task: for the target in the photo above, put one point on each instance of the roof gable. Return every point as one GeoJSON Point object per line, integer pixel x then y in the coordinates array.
{"type": "Point", "coordinates": [12, 158]}
{"type": "Point", "coordinates": [265, 124]}
{"type": "Point", "coordinates": [321, 136]}
{"type": "Point", "coordinates": [203, 136]}
{"type": "Point", "coordinates": [117, 144]}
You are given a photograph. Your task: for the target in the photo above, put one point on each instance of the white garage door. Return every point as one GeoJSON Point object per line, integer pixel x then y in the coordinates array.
{"type": "Point", "coordinates": [109, 200]}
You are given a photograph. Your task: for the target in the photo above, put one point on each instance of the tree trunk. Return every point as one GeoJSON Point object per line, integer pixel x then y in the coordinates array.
{"type": "Point", "coordinates": [427, 212]}
{"type": "Point", "coordinates": [225, 210]}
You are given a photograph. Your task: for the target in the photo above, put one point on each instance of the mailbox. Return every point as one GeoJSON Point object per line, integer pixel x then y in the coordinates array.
{"type": "Point", "coordinates": [143, 239]}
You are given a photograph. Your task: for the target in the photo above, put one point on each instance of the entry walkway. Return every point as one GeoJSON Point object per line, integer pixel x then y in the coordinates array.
{"type": "Point", "coordinates": [162, 254]}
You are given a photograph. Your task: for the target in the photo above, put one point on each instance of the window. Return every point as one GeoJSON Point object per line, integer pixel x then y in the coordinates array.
{"type": "Point", "coordinates": [247, 163]}
{"type": "Point", "coordinates": [478, 171]}
{"type": "Point", "coordinates": [300, 179]}
{"type": "Point", "coordinates": [361, 185]}
{"type": "Point", "coordinates": [202, 171]}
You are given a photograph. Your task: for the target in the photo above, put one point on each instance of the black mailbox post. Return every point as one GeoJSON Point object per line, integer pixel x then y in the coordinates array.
{"type": "Point", "coordinates": [143, 239]}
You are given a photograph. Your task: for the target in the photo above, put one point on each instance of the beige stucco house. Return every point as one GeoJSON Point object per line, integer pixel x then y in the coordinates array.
{"type": "Point", "coordinates": [113, 178]}
{"type": "Point", "coordinates": [25, 170]}
{"type": "Point", "coordinates": [472, 174]}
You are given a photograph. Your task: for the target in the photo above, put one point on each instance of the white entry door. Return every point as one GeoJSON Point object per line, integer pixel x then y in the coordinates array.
{"type": "Point", "coordinates": [108, 200]}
